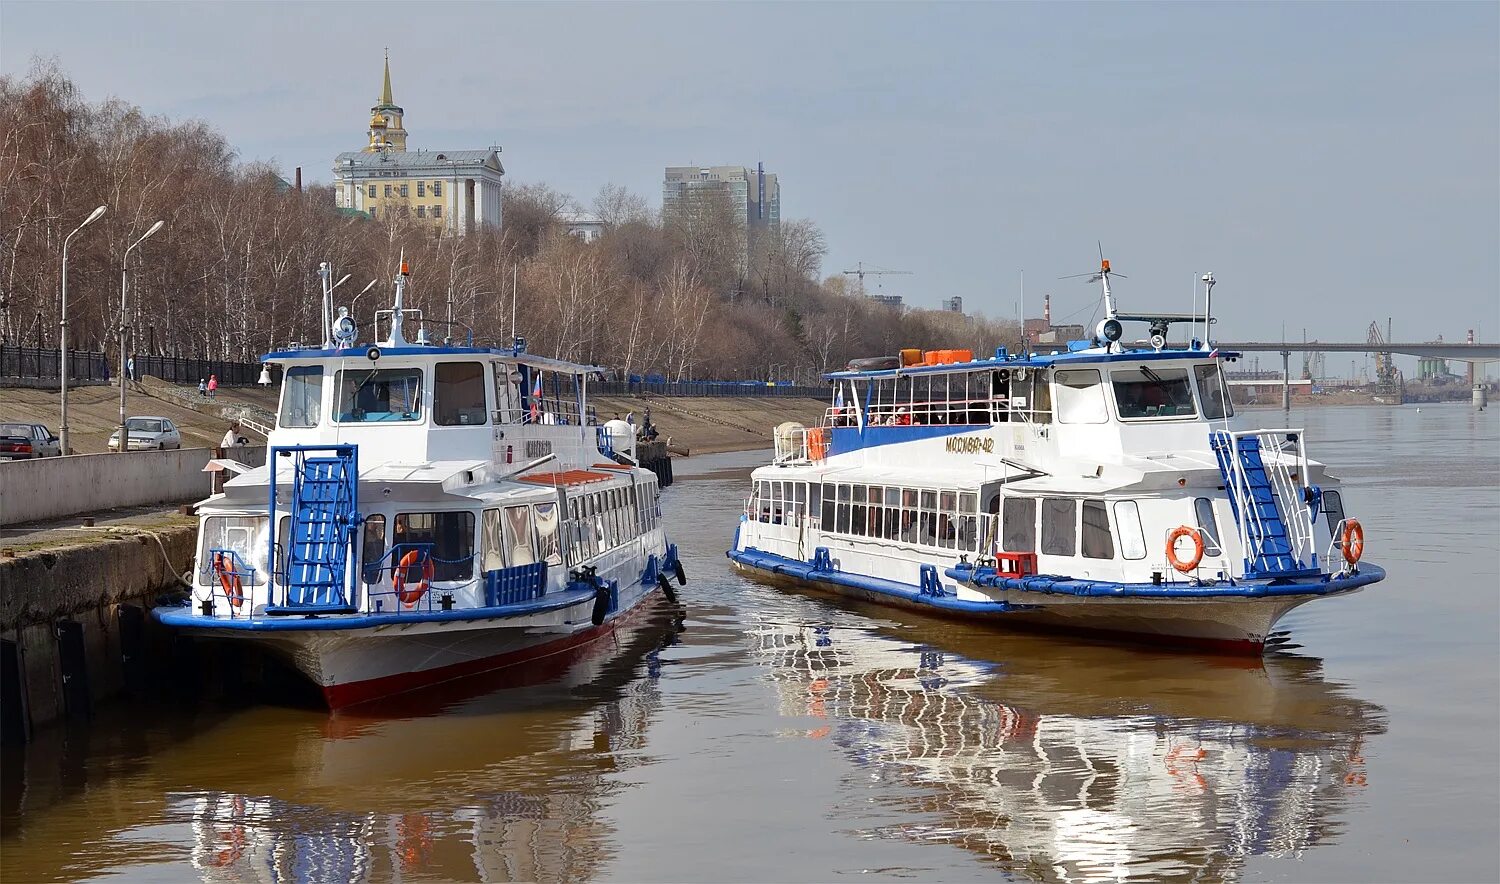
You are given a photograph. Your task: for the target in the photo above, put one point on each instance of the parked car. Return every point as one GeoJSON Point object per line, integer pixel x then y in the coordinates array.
{"type": "Point", "coordinates": [147, 433]}
{"type": "Point", "coordinates": [25, 441]}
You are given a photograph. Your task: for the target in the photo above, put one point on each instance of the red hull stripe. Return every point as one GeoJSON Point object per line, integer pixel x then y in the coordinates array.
{"type": "Point", "coordinates": [340, 696]}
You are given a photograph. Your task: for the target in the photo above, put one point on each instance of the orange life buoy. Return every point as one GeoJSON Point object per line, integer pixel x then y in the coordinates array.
{"type": "Point", "coordinates": [398, 578]}
{"type": "Point", "coordinates": [1353, 541]}
{"type": "Point", "coordinates": [229, 578]}
{"type": "Point", "coordinates": [817, 443]}
{"type": "Point", "coordinates": [1177, 534]}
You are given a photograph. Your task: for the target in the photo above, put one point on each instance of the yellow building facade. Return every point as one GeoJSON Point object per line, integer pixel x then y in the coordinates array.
{"type": "Point", "coordinates": [457, 190]}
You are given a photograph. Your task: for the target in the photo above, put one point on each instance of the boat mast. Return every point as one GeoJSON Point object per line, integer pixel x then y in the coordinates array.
{"type": "Point", "coordinates": [398, 309]}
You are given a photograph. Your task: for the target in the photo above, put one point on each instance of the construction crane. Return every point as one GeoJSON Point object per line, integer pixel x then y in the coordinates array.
{"type": "Point", "coordinates": [861, 273]}
{"type": "Point", "coordinates": [1385, 366]}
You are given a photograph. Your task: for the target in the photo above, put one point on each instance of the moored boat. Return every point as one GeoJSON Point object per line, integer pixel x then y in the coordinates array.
{"type": "Point", "coordinates": [1104, 487]}
{"type": "Point", "coordinates": [438, 511]}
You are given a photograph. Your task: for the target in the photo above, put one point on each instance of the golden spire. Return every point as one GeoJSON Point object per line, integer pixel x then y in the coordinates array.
{"type": "Point", "coordinates": [385, 95]}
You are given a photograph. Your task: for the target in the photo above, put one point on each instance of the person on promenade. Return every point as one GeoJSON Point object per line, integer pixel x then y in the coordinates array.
{"type": "Point", "coordinates": [202, 388]}
{"type": "Point", "coordinates": [213, 386]}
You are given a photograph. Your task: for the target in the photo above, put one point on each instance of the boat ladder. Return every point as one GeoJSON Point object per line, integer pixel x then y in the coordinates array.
{"type": "Point", "coordinates": [1275, 531]}
{"type": "Point", "coordinates": [323, 520]}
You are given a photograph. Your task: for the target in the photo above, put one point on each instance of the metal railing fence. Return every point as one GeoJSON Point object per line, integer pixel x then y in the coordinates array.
{"type": "Point", "coordinates": [91, 365]}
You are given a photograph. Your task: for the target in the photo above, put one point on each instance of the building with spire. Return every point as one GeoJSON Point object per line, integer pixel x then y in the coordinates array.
{"type": "Point", "coordinates": [457, 190]}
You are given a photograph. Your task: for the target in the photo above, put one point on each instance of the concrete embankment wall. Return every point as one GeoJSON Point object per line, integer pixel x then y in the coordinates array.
{"type": "Point", "coordinates": [74, 622]}
{"type": "Point", "coordinates": [53, 487]}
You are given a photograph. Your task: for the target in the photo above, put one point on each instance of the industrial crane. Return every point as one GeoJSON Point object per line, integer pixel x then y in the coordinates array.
{"type": "Point", "coordinates": [861, 272]}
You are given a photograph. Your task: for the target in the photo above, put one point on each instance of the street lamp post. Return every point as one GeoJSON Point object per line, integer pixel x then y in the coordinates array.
{"type": "Point", "coordinates": [62, 362]}
{"type": "Point", "coordinates": [124, 274]}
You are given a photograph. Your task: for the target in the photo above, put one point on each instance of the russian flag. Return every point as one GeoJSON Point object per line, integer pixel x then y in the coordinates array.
{"type": "Point", "coordinates": [536, 399]}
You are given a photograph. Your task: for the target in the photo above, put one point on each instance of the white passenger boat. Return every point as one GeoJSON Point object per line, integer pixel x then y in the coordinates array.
{"type": "Point", "coordinates": [1104, 487]}
{"type": "Point", "coordinates": [439, 511]}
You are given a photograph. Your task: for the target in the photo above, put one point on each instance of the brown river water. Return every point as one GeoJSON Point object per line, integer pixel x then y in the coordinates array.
{"type": "Point", "coordinates": [763, 735]}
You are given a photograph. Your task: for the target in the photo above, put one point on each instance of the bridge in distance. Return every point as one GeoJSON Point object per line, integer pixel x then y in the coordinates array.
{"type": "Point", "coordinates": [1438, 350]}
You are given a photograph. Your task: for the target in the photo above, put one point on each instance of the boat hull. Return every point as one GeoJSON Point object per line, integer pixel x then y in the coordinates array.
{"type": "Point", "coordinates": [358, 665]}
{"type": "Point", "coordinates": [1229, 623]}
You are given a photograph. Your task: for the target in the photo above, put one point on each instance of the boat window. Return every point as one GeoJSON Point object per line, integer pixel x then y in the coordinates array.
{"type": "Point", "coordinates": [1146, 392]}
{"type": "Point", "coordinates": [857, 515]}
{"type": "Point", "coordinates": [507, 394]}
{"type": "Point", "coordinates": [451, 535]}
{"type": "Point", "coordinates": [301, 396]}
{"type": "Point", "coordinates": [245, 536]}
{"type": "Point", "coordinates": [492, 541]}
{"type": "Point", "coordinates": [1207, 525]}
{"type": "Point", "coordinates": [927, 518]}
{"type": "Point", "coordinates": [1128, 520]}
{"type": "Point", "coordinates": [906, 525]}
{"type": "Point", "coordinates": [516, 522]}
{"type": "Point", "coordinates": [1097, 542]}
{"type": "Point", "coordinates": [1080, 397]}
{"type": "Point", "coordinates": [968, 530]}
{"type": "Point", "coordinates": [372, 552]}
{"type": "Point", "coordinates": [1059, 526]}
{"type": "Point", "coordinates": [458, 394]}
{"type": "Point", "coordinates": [1018, 528]}
{"type": "Point", "coordinates": [816, 506]}
{"type": "Point", "coordinates": [1333, 508]}
{"type": "Point", "coordinates": [1041, 401]}
{"type": "Point", "coordinates": [841, 518]}
{"type": "Point", "coordinates": [379, 395]}
{"type": "Point", "coordinates": [1212, 392]}
{"type": "Point", "coordinates": [548, 538]}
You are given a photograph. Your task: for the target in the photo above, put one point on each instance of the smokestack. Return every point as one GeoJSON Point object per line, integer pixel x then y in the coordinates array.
{"type": "Point", "coordinates": [1047, 310]}
{"type": "Point", "coordinates": [298, 185]}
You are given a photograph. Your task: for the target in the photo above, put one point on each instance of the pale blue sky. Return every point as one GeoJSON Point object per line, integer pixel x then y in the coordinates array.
{"type": "Point", "coordinates": [1331, 163]}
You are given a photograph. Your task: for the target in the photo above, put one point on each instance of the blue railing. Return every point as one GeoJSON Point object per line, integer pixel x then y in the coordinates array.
{"type": "Point", "coordinates": [225, 566]}
{"type": "Point", "coordinates": [516, 584]}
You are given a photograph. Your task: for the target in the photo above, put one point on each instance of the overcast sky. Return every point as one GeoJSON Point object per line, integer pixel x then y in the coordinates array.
{"type": "Point", "coordinates": [1331, 164]}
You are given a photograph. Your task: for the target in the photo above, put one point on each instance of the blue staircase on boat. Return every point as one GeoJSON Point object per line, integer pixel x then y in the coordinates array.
{"type": "Point", "coordinates": [1255, 506]}
{"type": "Point", "coordinates": [324, 513]}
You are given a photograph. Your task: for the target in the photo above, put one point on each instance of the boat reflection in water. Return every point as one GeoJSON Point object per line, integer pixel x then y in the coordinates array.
{"type": "Point", "coordinates": [1079, 762]}
{"type": "Point", "coordinates": [499, 787]}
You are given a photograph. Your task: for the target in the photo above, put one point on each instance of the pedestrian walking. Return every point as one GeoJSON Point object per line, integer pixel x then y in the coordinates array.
{"type": "Point", "coordinates": [202, 388]}
{"type": "Point", "coordinates": [213, 386]}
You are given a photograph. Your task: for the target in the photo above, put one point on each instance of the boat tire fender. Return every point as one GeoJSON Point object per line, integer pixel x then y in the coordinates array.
{"type": "Point", "coordinates": [1353, 541]}
{"type": "Point", "coordinates": [680, 574]}
{"type": "Point", "coordinates": [666, 588]}
{"type": "Point", "coordinates": [601, 603]}
{"type": "Point", "coordinates": [1177, 534]}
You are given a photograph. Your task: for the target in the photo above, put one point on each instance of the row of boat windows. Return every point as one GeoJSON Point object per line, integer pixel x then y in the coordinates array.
{"type": "Point", "coordinates": [1140, 393]}
{"type": "Point", "coordinates": [1081, 396]}
{"type": "Point", "coordinates": [509, 536]}
{"type": "Point", "coordinates": [394, 395]}
{"type": "Point", "coordinates": [943, 519]}
{"type": "Point", "coordinates": [947, 519]}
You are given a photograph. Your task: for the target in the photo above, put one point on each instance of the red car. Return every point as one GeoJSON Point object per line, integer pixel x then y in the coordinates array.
{"type": "Point", "coordinates": [25, 441]}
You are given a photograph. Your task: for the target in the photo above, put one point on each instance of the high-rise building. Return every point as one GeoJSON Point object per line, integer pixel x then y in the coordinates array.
{"type": "Point", "coordinates": [456, 189]}
{"type": "Point", "coordinates": [954, 304]}
{"type": "Point", "coordinates": [753, 197]}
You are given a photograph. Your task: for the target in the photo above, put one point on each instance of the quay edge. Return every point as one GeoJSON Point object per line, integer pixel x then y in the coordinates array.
{"type": "Point", "coordinates": [74, 628]}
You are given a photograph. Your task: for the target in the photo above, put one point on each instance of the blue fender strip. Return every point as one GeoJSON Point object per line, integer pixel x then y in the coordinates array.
{"type": "Point", "coordinates": [185, 617]}
{"type": "Point", "coordinates": [821, 571]}
{"type": "Point", "coordinates": [1325, 584]}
